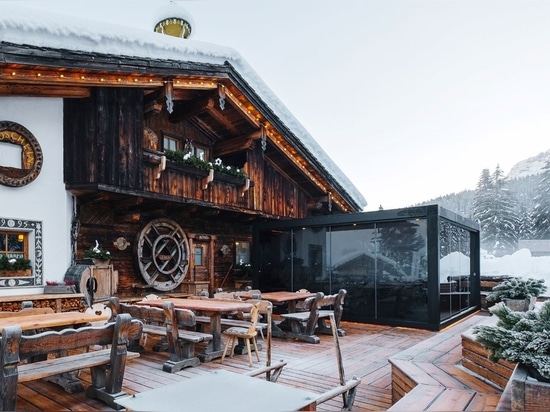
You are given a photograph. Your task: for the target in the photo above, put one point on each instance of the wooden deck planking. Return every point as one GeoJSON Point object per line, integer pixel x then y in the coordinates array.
{"type": "Point", "coordinates": [365, 351]}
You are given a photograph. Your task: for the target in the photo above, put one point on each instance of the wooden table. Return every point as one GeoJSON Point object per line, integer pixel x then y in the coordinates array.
{"type": "Point", "coordinates": [222, 391]}
{"type": "Point", "coordinates": [290, 298]}
{"type": "Point", "coordinates": [51, 320]}
{"type": "Point", "coordinates": [212, 308]}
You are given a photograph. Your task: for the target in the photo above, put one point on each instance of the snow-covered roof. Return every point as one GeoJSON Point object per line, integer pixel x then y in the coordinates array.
{"type": "Point", "coordinates": [27, 26]}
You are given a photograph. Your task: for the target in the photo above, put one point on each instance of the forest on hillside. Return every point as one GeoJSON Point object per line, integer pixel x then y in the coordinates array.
{"type": "Point", "coordinates": [507, 209]}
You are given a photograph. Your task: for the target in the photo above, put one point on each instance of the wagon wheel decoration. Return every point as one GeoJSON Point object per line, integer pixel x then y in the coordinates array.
{"type": "Point", "coordinates": [163, 254]}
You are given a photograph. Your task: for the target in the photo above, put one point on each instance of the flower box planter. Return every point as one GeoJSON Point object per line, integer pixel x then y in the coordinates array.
{"type": "Point", "coordinates": [234, 180]}
{"type": "Point", "coordinates": [59, 289]}
{"type": "Point", "coordinates": [15, 273]}
{"type": "Point", "coordinates": [187, 169]}
{"type": "Point", "coordinates": [521, 305]}
{"type": "Point", "coordinates": [528, 394]}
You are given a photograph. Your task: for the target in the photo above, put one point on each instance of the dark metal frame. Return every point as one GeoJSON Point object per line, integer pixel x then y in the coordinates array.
{"type": "Point", "coordinates": [434, 215]}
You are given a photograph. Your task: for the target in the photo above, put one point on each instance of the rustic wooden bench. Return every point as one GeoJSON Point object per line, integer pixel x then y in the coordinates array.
{"type": "Point", "coordinates": [171, 324]}
{"type": "Point", "coordinates": [106, 385]}
{"type": "Point", "coordinates": [304, 325]}
{"type": "Point", "coordinates": [27, 309]}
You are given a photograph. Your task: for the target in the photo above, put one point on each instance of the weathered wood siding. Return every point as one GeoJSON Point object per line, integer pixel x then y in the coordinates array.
{"type": "Point", "coordinates": [102, 138]}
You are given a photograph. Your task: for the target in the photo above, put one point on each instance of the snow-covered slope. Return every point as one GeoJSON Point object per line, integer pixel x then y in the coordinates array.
{"type": "Point", "coordinates": [530, 166]}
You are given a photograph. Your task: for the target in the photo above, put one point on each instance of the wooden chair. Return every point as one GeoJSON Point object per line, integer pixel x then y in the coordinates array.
{"type": "Point", "coordinates": [247, 334]}
{"type": "Point", "coordinates": [151, 296]}
{"type": "Point", "coordinates": [300, 305]}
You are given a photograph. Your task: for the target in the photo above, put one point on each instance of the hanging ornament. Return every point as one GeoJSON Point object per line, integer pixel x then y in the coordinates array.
{"type": "Point", "coordinates": [263, 137]}
{"type": "Point", "coordinates": [221, 93]}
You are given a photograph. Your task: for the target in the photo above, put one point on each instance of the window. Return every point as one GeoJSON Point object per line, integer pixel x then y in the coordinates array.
{"type": "Point", "coordinates": [22, 239]}
{"type": "Point", "coordinates": [198, 256]}
{"type": "Point", "coordinates": [242, 253]}
{"type": "Point", "coordinates": [170, 143]}
{"type": "Point", "coordinates": [14, 244]}
{"type": "Point", "coordinates": [197, 150]}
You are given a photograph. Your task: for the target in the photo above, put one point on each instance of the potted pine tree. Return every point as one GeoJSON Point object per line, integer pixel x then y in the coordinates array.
{"type": "Point", "coordinates": [522, 338]}
{"type": "Point", "coordinates": [518, 294]}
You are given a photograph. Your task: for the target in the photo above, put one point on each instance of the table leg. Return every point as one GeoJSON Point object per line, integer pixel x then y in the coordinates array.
{"type": "Point", "coordinates": [214, 349]}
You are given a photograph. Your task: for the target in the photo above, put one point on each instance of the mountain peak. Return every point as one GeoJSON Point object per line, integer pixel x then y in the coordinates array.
{"type": "Point", "coordinates": [530, 166]}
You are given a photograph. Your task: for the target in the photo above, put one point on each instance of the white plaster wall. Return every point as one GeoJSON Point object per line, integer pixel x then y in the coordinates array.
{"type": "Point", "coordinates": [45, 199]}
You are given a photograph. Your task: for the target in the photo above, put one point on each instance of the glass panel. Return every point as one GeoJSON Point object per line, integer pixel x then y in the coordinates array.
{"type": "Point", "coordinates": [402, 275]}
{"type": "Point", "coordinates": [353, 264]}
{"type": "Point", "coordinates": [200, 153]}
{"type": "Point", "coordinates": [3, 243]}
{"type": "Point", "coordinates": [454, 269]}
{"type": "Point", "coordinates": [309, 270]}
{"type": "Point", "coordinates": [170, 144]}
{"type": "Point", "coordinates": [275, 260]}
{"type": "Point", "coordinates": [242, 253]}
{"type": "Point", "coordinates": [198, 256]}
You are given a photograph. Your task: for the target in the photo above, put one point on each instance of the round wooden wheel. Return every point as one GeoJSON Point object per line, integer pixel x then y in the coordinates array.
{"type": "Point", "coordinates": [163, 254]}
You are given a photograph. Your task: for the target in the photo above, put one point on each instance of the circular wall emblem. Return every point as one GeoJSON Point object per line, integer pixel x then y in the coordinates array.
{"type": "Point", "coordinates": [31, 155]}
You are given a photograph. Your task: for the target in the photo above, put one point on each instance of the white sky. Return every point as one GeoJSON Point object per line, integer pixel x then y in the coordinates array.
{"type": "Point", "coordinates": [410, 98]}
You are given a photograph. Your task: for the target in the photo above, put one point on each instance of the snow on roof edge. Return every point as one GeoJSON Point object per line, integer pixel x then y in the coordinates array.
{"type": "Point", "coordinates": [22, 25]}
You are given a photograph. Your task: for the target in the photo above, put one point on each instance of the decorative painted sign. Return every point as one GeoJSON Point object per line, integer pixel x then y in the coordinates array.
{"type": "Point", "coordinates": [31, 155]}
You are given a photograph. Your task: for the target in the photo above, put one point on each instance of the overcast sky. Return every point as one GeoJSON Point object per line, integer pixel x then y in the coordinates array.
{"type": "Point", "coordinates": [411, 98]}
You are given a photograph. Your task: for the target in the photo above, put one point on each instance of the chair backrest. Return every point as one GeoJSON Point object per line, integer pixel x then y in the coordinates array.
{"type": "Point", "coordinates": [226, 296]}
{"type": "Point", "coordinates": [151, 296]}
{"type": "Point", "coordinates": [302, 291]}
{"type": "Point", "coordinates": [254, 314]}
{"type": "Point", "coordinates": [99, 309]}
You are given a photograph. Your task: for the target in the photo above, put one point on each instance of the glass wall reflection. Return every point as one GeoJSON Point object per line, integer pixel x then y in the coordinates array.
{"type": "Point", "coordinates": [454, 269]}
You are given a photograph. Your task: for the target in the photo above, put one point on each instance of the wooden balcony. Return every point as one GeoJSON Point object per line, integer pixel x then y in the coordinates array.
{"type": "Point", "coordinates": [166, 177]}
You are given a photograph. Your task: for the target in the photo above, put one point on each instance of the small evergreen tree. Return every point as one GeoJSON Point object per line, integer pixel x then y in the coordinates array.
{"type": "Point", "coordinates": [519, 337]}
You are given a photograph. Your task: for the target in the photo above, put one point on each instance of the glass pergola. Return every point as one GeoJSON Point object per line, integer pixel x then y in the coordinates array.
{"type": "Point", "coordinates": [414, 267]}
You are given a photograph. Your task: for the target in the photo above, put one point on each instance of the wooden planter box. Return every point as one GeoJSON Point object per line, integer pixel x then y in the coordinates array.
{"type": "Point", "coordinates": [528, 394]}
{"type": "Point", "coordinates": [15, 273]}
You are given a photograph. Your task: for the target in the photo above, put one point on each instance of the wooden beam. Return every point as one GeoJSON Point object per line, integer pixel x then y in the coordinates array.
{"type": "Point", "coordinates": [43, 91]}
{"type": "Point", "coordinates": [187, 110]}
{"type": "Point", "coordinates": [233, 145]}
{"type": "Point", "coordinates": [219, 117]}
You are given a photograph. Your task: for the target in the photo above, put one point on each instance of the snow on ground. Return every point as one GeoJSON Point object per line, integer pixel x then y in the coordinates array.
{"type": "Point", "coordinates": [520, 263]}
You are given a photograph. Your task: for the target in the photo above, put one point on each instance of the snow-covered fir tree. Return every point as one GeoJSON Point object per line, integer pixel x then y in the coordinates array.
{"type": "Point", "coordinates": [495, 207]}
{"type": "Point", "coordinates": [541, 211]}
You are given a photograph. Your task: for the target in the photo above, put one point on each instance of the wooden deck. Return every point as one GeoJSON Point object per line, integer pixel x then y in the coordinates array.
{"type": "Point", "coordinates": [365, 351]}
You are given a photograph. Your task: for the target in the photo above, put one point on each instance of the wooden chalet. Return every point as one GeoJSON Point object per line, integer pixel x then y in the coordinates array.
{"type": "Point", "coordinates": [118, 99]}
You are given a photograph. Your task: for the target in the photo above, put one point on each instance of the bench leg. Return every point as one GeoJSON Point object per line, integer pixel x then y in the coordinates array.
{"type": "Point", "coordinates": [68, 381]}
{"type": "Point", "coordinates": [108, 398]}
{"type": "Point", "coordinates": [324, 329]}
{"type": "Point", "coordinates": [97, 390]}
{"type": "Point", "coordinates": [182, 356]}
